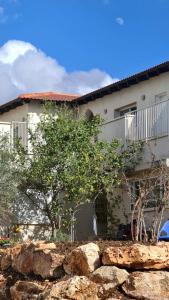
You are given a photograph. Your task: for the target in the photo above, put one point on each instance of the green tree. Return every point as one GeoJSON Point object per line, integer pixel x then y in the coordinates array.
{"type": "Point", "coordinates": [8, 182]}
{"type": "Point", "coordinates": [68, 166]}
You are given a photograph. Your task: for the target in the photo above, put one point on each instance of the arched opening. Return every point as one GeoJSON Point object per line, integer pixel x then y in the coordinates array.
{"type": "Point", "coordinates": [89, 115]}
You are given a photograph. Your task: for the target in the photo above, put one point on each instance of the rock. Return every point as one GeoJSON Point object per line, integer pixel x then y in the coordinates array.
{"type": "Point", "coordinates": [47, 263]}
{"type": "Point", "coordinates": [42, 245]}
{"type": "Point", "coordinates": [24, 290]}
{"type": "Point", "coordinates": [38, 258]}
{"type": "Point", "coordinates": [148, 285]}
{"type": "Point", "coordinates": [77, 288]}
{"type": "Point", "coordinates": [22, 258]}
{"type": "Point", "coordinates": [138, 256]}
{"type": "Point", "coordinates": [6, 260]}
{"type": "Point", "coordinates": [3, 283]}
{"type": "Point", "coordinates": [109, 277]}
{"type": "Point", "coordinates": [106, 274]}
{"type": "Point", "coordinates": [2, 253]}
{"type": "Point", "coordinates": [83, 260]}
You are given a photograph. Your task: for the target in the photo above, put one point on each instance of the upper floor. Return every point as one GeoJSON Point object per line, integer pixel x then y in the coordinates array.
{"type": "Point", "coordinates": [135, 108]}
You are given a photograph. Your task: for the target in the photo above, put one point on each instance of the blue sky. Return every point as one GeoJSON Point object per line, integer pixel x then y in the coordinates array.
{"type": "Point", "coordinates": [118, 37]}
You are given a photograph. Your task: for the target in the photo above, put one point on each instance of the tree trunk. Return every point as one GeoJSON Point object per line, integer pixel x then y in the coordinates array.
{"type": "Point", "coordinates": [54, 230]}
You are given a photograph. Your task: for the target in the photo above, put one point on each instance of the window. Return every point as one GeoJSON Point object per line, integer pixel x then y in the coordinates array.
{"type": "Point", "coordinates": [160, 97]}
{"type": "Point", "coordinates": [150, 190]}
{"type": "Point", "coordinates": [124, 110]}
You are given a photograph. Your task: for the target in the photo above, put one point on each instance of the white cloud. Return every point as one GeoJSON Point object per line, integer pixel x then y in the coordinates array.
{"type": "Point", "coordinates": [24, 68]}
{"type": "Point", "coordinates": [120, 21]}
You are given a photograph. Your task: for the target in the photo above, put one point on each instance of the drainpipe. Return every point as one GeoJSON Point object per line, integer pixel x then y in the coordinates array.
{"type": "Point", "coordinates": [146, 125]}
{"type": "Point", "coordinates": [125, 131]}
{"type": "Point", "coordinates": [72, 228]}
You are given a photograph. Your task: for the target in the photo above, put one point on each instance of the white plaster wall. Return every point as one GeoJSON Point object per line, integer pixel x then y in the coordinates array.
{"type": "Point", "coordinates": [35, 107]}
{"type": "Point", "coordinates": [150, 88]}
{"type": "Point", "coordinates": [17, 114]}
{"type": "Point", "coordinates": [33, 232]}
{"type": "Point", "coordinates": [21, 113]}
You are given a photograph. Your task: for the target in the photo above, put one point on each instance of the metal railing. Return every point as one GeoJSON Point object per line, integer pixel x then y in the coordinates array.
{"type": "Point", "coordinates": [144, 124]}
{"type": "Point", "coordinates": [148, 123]}
{"type": "Point", "coordinates": [113, 129]}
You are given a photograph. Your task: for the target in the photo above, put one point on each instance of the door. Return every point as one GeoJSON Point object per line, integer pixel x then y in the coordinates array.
{"type": "Point", "coordinates": [101, 215]}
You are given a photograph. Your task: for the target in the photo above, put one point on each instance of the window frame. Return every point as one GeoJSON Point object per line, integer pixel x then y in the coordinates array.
{"type": "Point", "coordinates": [134, 198]}
{"type": "Point", "coordinates": [122, 111]}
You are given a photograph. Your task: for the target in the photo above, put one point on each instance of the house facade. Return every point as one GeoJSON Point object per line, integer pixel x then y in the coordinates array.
{"type": "Point", "coordinates": [135, 108]}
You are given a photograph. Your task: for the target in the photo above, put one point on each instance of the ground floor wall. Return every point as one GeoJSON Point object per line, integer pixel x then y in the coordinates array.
{"type": "Point", "coordinates": [124, 209]}
{"type": "Point", "coordinates": [26, 232]}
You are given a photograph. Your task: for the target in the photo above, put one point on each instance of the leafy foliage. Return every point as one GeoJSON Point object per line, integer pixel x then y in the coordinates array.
{"type": "Point", "coordinates": [68, 166]}
{"type": "Point", "coordinates": [8, 181]}
{"type": "Point", "coordinates": [149, 189]}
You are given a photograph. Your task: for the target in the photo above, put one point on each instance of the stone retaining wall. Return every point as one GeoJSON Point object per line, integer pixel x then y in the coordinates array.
{"type": "Point", "coordinates": [43, 271]}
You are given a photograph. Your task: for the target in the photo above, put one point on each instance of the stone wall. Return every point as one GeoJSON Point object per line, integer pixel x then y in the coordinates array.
{"type": "Point", "coordinates": [103, 270]}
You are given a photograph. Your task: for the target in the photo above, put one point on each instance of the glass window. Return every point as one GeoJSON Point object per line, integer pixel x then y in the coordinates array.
{"type": "Point", "coordinates": [120, 112]}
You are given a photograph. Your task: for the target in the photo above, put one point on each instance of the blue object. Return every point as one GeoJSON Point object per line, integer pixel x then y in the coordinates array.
{"type": "Point", "coordinates": [164, 232]}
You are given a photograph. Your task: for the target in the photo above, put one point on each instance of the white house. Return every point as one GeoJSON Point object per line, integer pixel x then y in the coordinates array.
{"type": "Point", "coordinates": [135, 108]}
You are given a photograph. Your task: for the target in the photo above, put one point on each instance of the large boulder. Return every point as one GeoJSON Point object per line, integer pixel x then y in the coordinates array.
{"type": "Point", "coordinates": [47, 263]}
{"type": "Point", "coordinates": [38, 258]}
{"type": "Point", "coordinates": [138, 256]}
{"type": "Point", "coordinates": [83, 260]}
{"type": "Point", "coordinates": [24, 290]}
{"type": "Point", "coordinates": [106, 274]}
{"type": "Point", "coordinates": [76, 288]}
{"type": "Point", "coordinates": [148, 285]}
{"type": "Point", "coordinates": [109, 278]}
{"type": "Point", "coordinates": [6, 260]}
{"type": "Point", "coordinates": [3, 286]}
{"type": "Point", "coordinates": [22, 258]}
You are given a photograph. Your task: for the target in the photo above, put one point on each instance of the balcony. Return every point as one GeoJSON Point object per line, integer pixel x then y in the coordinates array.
{"type": "Point", "coordinates": [148, 123]}
{"type": "Point", "coordinates": [145, 124]}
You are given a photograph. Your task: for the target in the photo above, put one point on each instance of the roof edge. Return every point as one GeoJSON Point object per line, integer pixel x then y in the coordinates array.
{"type": "Point", "coordinates": [124, 83]}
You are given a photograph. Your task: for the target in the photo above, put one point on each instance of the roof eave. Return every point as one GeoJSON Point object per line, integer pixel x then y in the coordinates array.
{"type": "Point", "coordinates": [124, 83]}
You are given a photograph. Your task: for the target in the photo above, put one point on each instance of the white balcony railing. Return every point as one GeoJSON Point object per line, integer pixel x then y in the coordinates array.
{"type": "Point", "coordinates": [148, 123]}
{"type": "Point", "coordinates": [145, 124]}
{"type": "Point", "coordinates": [113, 129]}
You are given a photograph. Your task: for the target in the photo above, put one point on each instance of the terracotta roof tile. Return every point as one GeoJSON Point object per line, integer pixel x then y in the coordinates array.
{"type": "Point", "coordinates": [44, 96]}
{"type": "Point", "coordinates": [52, 96]}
